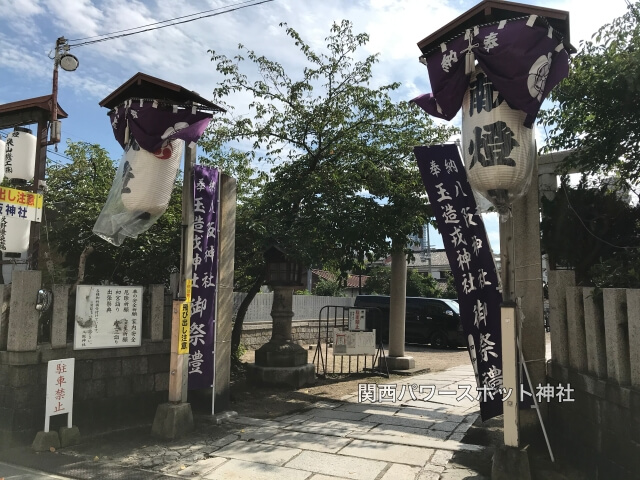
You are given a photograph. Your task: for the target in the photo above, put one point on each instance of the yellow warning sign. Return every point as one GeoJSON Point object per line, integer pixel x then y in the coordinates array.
{"type": "Point", "coordinates": [188, 290]}
{"type": "Point", "coordinates": [185, 328]}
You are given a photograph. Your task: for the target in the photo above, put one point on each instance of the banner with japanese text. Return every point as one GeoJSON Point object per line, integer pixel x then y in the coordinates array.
{"type": "Point", "coordinates": [472, 266]}
{"type": "Point", "coordinates": [205, 276]}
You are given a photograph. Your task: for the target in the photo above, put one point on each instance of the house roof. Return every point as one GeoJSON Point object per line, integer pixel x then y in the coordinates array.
{"type": "Point", "coordinates": [142, 85]}
{"type": "Point", "coordinates": [353, 281]}
{"type": "Point", "coordinates": [438, 260]}
{"type": "Point", "coordinates": [27, 111]}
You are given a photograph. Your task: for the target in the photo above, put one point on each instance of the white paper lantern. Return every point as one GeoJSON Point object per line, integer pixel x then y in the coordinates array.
{"type": "Point", "coordinates": [498, 149]}
{"type": "Point", "coordinates": [2, 154]}
{"type": "Point", "coordinates": [148, 178]}
{"type": "Point", "coordinates": [20, 154]}
{"type": "Point", "coordinates": [14, 234]}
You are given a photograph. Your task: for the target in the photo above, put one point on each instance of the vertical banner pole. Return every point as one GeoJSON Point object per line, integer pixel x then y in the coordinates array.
{"type": "Point", "coordinates": [215, 325]}
{"type": "Point", "coordinates": [179, 365]}
{"type": "Point", "coordinates": [176, 359]}
{"type": "Point", "coordinates": [510, 373]}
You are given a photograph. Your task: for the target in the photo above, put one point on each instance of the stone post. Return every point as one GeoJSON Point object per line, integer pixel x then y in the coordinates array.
{"type": "Point", "coordinates": [59, 316]}
{"type": "Point", "coordinates": [224, 323]}
{"type": "Point", "coordinates": [521, 277]}
{"type": "Point", "coordinates": [5, 297]}
{"type": "Point", "coordinates": [633, 315]}
{"type": "Point", "coordinates": [594, 330]}
{"type": "Point", "coordinates": [156, 315]}
{"type": "Point", "coordinates": [575, 329]}
{"type": "Point", "coordinates": [22, 335]}
{"type": "Point", "coordinates": [559, 280]}
{"type": "Point", "coordinates": [617, 335]}
{"type": "Point", "coordinates": [397, 314]}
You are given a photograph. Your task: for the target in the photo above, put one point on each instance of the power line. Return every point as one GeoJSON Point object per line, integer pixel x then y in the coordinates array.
{"type": "Point", "coordinates": [114, 35]}
{"type": "Point", "coordinates": [59, 155]}
{"type": "Point", "coordinates": [157, 23]}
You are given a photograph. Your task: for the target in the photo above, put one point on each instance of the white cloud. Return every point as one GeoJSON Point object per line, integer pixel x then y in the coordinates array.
{"type": "Point", "coordinates": [179, 53]}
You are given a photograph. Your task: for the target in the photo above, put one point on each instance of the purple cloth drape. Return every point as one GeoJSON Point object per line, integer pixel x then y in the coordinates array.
{"type": "Point", "coordinates": [522, 58]}
{"type": "Point", "coordinates": [154, 125]}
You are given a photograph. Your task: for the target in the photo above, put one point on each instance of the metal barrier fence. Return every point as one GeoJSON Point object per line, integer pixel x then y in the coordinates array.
{"type": "Point", "coordinates": [335, 318]}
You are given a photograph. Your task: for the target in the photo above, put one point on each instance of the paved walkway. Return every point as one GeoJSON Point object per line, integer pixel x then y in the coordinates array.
{"type": "Point", "coordinates": [407, 437]}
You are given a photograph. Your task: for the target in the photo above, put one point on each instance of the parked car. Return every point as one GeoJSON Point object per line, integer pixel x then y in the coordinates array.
{"type": "Point", "coordinates": [427, 320]}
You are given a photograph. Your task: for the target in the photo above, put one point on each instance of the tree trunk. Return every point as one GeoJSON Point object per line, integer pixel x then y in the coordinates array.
{"type": "Point", "coordinates": [242, 311]}
{"type": "Point", "coordinates": [82, 263]}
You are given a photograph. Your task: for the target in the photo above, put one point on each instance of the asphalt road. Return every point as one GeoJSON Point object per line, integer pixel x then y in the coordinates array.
{"type": "Point", "coordinates": [11, 472]}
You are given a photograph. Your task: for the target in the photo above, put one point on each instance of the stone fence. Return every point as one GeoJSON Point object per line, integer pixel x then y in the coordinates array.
{"type": "Point", "coordinates": [595, 347]}
{"type": "Point", "coordinates": [114, 387]}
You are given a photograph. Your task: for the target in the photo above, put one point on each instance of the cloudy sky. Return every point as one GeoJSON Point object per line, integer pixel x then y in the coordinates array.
{"type": "Point", "coordinates": [29, 29]}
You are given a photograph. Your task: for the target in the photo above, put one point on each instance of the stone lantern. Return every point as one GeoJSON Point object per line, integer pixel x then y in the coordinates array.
{"type": "Point", "coordinates": [281, 360]}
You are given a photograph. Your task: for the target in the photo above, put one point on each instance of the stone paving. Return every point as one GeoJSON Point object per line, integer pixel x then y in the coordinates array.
{"type": "Point", "coordinates": [394, 439]}
{"type": "Point", "coordinates": [407, 437]}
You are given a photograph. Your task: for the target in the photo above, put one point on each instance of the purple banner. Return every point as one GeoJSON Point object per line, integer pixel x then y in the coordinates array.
{"type": "Point", "coordinates": [153, 125]}
{"type": "Point", "coordinates": [205, 276]}
{"type": "Point", "coordinates": [472, 265]}
{"type": "Point", "coordinates": [522, 58]}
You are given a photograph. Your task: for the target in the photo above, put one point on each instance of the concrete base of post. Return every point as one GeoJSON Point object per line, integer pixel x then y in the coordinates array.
{"type": "Point", "coordinates": [69, 436]}
{"type": "Point", "coordinates": [44, 441]}
{"type": "Point", "coordinates": [295, 377]}
{"type": "Point", "coordinates": [281, 354]}
{"type": "Point", "coordinates": [172, 420]}
{"type": "Point", "coordinates": [400, 363]}
{"type": "Point", "coordinates": [282, 363]}
{"type": "Point", "coordinates": [510, 463]}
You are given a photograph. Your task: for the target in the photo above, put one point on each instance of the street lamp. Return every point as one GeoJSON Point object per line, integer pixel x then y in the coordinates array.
{"type": "Point", "coordinates": [69, 63]}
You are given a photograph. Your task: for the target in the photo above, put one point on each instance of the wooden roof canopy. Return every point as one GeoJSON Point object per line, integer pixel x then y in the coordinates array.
{"type": "Point", "coordinates": [489, 11]}
{"type": "Point", "coordinates": [145, 86]}
{"type": "Point", "coordinates": [28, 111]}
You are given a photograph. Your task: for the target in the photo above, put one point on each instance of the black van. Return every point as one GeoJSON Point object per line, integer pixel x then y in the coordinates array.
{"type": "Point", "coordinates": [428, 320]}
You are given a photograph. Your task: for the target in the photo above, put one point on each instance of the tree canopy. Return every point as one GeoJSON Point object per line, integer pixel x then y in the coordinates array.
{"type": "Point", "coordinates": [594, 232]}
{"type": "Point", "coordinates": [418, 285]}
{"type": "Point", "coordinates": [597, 109]}
{"type": "Point", "coordinates": [76, 193]}
{"type": "Point", "coordinates": [344, 184]}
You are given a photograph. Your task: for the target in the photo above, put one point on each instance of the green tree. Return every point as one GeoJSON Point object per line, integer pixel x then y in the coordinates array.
{"type": "Point", "coordinates": [595, 233]}
{"type": "Point", "coordinates": [450, 290]}
{"type": "Point", "coordinates": [75, 195]}
{"type": "Point", "coordinates": [328, 288]}
{"type": "Point", "coordinates": [418, 285]}
{"type": "Point", "coordinates": [597, 107]}
{"type": "Point", "coordinates": [344, 186]}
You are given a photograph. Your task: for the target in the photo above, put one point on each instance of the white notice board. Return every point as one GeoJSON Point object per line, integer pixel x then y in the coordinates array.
{"type": "Point", "coordinates": [354, 343]}
{"type": "Point", "coordinates": [357, 319]}
{"type": "Point", "coordinates": [107, 316]}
